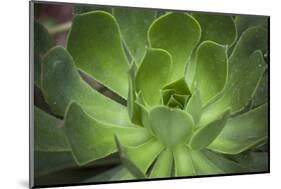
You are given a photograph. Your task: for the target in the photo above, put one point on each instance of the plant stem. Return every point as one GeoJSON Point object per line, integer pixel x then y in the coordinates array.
{"type": "Point", "coordinates": [60, 28]}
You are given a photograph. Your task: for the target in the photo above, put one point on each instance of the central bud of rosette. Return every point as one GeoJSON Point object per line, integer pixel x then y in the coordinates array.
{"type": "Point", "coordinates": [158, 102]}
{"type": "Point", "coordinates": [170, 123]}
{"type": "Point", "coordinates": [176, 94]}
{"type": "Point", "coordinates": [168, 119]}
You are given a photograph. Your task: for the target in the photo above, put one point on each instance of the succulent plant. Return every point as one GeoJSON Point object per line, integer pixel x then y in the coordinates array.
{"type": "Point", "coordinates": [194, 87]}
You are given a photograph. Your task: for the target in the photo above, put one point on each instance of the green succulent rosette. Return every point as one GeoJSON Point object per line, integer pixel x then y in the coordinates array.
{"type": "Point", "coordinates": [195, 87]}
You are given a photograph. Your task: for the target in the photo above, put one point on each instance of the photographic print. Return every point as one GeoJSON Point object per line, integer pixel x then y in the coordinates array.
{"type": "Point", "coordinates": [135, 94]}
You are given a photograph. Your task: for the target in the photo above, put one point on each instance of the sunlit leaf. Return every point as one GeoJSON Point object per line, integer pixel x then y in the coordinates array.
{"type": "Point", "coordinates": [171, 126]}
{"type": "Point", "coordinates": [204, 135]}
{"type": "Point", "coordinates": [133, 109]}
{"type": "Point", "coordinates": [183, 162]}
{"type": "Point", "coordinates": [97, 49]}
{"type": "Point", "coordinates": [241, 86]}
{"type": "Point", "coordinates": [202, 165]}
{"type": "Point", "coordinates": [163, 165]}
{"type": "Point", "coordinates": [91, 139]}
{"type": "Point", "coordinates": [153, 74]}
{"type": "Point", "coordinates": [211, 67]}
{"type": "Point", "coordinates": [136, 160]}
{"type": "Point", "coordinates": [61, 84]}
{"type": "Point", "coordinates": [194, 107]}
{"type": "Point", "coordinates": [178, 33]}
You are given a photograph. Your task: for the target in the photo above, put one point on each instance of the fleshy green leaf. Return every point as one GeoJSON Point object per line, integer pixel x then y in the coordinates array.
{"type": "Point", "coordinates": [134, 24]}
{"type": "Point", "coordinates": [144, 114]}
{"type": "Point", "coordinates": [211, 70]}
{"type": "Point", "coordinates": [91, 139]}
{"type": "Point", "coordinates": [128, 163]}
{"type": "Point", "coordinates": [133, 109]}
{"type": "Point", "coordinates": [95, 45]}
{"type": "Point", "coordinates": [244, 22]}
{"type": "Point", "coordinates": [189, 163]}
{"type": "Point", "coordinates": [204, 135]}
{"type": "Point", "coordinates": [202, 165]}
{"type": "Point", "coordinates": [242, 132]}
{"type": "Point", "coordinates": [140, 99]}
{"type": "Point", "coordinates": [153, 74]}
{"type": "Point", "coordinates": [194, 107]}
{"type": "Point", "coordinates": [254, 38]}
{"type": "Point", "coordinates": [246, 67]}
{"type": "Point", "coordinates": [115, 174]}
{"type": "Point", "coordinates": [61, 84]}
{"type": "Point", "coordinates": [227, 165]}
{"type": "Point", "coordinates": [139, 158]}
{"type": "Point", "coordinates": [48, 135]}
{"type": "Point", "coordinates": [218, 28]}
{"type": "Point", "coordinates": [178, 33]}
{"type": "Point", "coordinates": [163, 165]}
{"type": "Point", "coordinates": [183, 162]}
{"type": "Point", "coordinates": [171, 126]}
{"type": "Point", "coordinates": [143, 111]}
{"type": "Point", "coordinates": [42, 43]}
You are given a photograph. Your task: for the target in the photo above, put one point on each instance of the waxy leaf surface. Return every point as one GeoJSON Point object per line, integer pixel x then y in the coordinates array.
{"type": "Point", "coordinates": [97, 50]}
{"type": "Point", "coordinates": [134, 24]}
{"type": "Point", "coordinates": [178, 33]}
{"type": "Point", "coordinates": [243, 132]}
{"type": "Point", "coordinates": [61, 83]}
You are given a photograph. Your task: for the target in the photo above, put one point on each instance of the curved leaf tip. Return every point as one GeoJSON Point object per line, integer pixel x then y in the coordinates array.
{"type": "Point", "coordinates": [171, 126]}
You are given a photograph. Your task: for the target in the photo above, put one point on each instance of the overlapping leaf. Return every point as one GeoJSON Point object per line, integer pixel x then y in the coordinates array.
{"type": "Point", "coordinates": [91, 139]}
{"type": "Point", "coordinates": [159, 170]}
{"type": "Point", "coordinates": [178, 33]}
{"type": "Point", "coordinates": [153, 74]}
{"type": "Point", "coordinates": [172, 127]}
{"type": "Point", "coordinates": [243, 132]}
{"type": "Point", "coordinates": [246, 68]}
{"type": "Point", "coordinates": [135, 160]}
{"type": "Point", "coordinates": [61, 84]}
{"type": "Point", "coordinates": [218, 28]}
{"type": "Point", "coordinates": [172, 115]}
{"type": "Point", "coordinates": [134, 24]}
{"type": "Point", "coordinates": [48, 134]}
{"type": "Point", "coordinates": [211, 67]}
{"type": "Point", "coordinates": [204, 135]}
{"type": "Point", "coordinates": [96, 49]}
